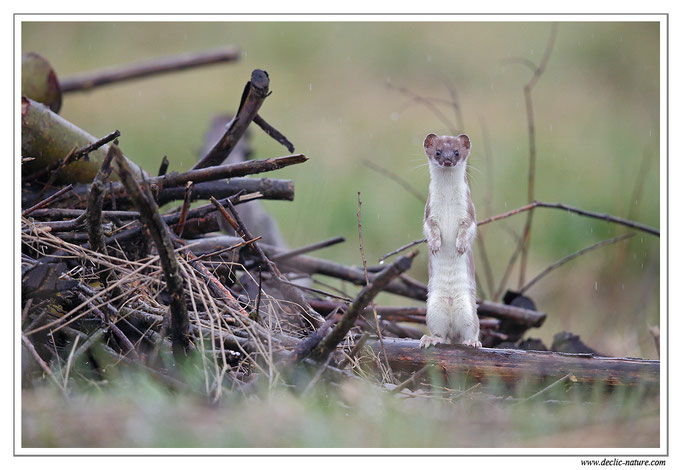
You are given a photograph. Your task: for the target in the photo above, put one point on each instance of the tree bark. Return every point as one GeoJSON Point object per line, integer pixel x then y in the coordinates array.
{"type": "Point", "coordinates": [513, 367]}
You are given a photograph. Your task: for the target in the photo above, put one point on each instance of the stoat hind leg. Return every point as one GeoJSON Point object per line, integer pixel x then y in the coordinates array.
{"type": "Point", "coordinates": [472, 343]}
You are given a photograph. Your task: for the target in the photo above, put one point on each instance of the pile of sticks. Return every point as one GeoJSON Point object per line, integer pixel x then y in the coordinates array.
{"type": "Point", "coordinates": [110, 277]}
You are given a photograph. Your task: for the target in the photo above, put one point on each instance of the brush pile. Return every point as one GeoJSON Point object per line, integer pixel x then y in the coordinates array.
{"type": "Point", "coordinates": [110, 276]}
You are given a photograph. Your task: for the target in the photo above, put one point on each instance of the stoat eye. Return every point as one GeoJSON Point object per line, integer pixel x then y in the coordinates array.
{"type": "Point", "coordinates": [438, 152]}
{"type": "Point", "coordinates": [456, 153]}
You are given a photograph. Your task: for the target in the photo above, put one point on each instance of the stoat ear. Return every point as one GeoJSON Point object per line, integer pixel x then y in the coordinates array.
{"type": "Point", "coordinates": [465, 140]}
{"type": "Point", "coordinates": [429, 141]}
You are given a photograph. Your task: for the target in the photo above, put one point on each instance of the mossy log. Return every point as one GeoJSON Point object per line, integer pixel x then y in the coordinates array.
{"type": "Point", "coordinates": [49, 138]}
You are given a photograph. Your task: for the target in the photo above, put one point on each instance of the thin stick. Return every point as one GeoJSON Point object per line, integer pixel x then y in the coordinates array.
{"type": "Point", "coordinates": [274, 133]}
{"type": "Point", "coordinates": [95, 202]}
{"type": "Point", "coordinates": [180, 226]}
{"type": "Point", "coordinates": [395, 177]}
{"type": "Point", "coordinates": [41, 363]}
{"type": "Point", "coordinates": [364, 268]}
{"type": "Point", "coordinates": [149, 214]}
{"type": "Point", "coordinates": [428, 102]}
{"type": "Point", "coordinates": [547, 388]}
{"type": "Point", "coordinates": [147, 68]}
{"type": "Point", "coordinates": [255, 92]}
{"type": "Point", "coordinates": [74, 156]}
{"type": "Point", "coordinates": [486, 263]}
{"type": "Point", "coordinates": [163, 168]}
{"type": "Point", "coordinates": [47, 200]}
{"type": "Point", "coordinates": [364, 297]}
{"type": "Point", "coordinates": [527, 90]}
{"type": "Point", "coordinates": [213, 173]}
{"type": "Point", "coordinates": [401, 249]}
{"type": "Point", "coordinates": [575, 210]}
{"type": "Point", "coordinates": [533, 205]}
{"type": "Point", "coordinates": [456, 105]}
{"type": "Point", "coordinates": [572, 256]}
{"type": "Point", "coordinates": [353, 352]}
{"type": "Point", "coordinates": [411, 380]}
{"type": "Point", "coordinates": [293, 293]}
{"type": "Point", "coordinates": [229, 248]}
{"type": "Point", "coordinates": [60, 213]}
{"type": "Point", "coordinates": [68, 361]}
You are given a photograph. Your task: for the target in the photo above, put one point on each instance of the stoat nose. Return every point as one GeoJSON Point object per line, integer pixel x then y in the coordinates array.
{"type": "Point", "coordinates": [448, 162]}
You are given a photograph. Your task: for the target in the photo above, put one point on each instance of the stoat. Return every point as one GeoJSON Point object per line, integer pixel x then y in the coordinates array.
{"type": "Point", "coordinates": [450, 228]}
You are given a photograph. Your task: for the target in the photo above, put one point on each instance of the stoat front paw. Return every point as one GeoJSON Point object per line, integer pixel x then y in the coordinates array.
{"type": "Point", "coordinates": [428, 341]}
{"type": "Point", "coordinates": [461, 247]}
{"type": "Point", "coordinates": [472, 343]}
{"type": "Point", "coordinates": [434, 246]}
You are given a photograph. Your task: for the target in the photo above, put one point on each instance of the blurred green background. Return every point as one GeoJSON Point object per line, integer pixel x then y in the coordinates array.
{"type": "Point", "coordinates": [597, 123]}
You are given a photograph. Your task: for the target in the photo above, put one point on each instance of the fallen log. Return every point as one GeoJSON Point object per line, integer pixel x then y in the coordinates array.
{"type": "Point", "coordinates": [49, 138]}
{"type": "Point", "coordinates": [511, 366]}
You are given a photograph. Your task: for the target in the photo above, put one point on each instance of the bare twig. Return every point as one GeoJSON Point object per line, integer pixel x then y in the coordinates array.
{"type": "Point", "coordinates": [149, 67]}
{"type": "Point", "coordinates": [527, 90]}
{"type": "Point", "coordinates": [29, 346]}
{"type": "Point", "coordinates": [363, 299]}
{"type": "Point", "coordinates": [213, 173]}
{"type": "Point", "coordinates": [428, 102]}
{"type": "Point", "coordinates": [486, 263]}
{"type": "Point", "coordinates": [255, 92]}
{"type": "Point", "coordinates": [395, 177]}
{"type": "Point", "coordinates": [412, 379]}
{"type": "Point", "coordinates": [163, 168]}
{"type": "Point", "coordinates": [353, 352]}
{"type": "Point", "coordinates": [73, 156]}
{"type": "Point", "coordinates": [274, 133]}
{"type": "Point", "coordinates": [47, 200]}
{"type": "Point", "coordinates": [95, 201]}
{"type": "Point", "coordinates": [533, 205]}
{"type": "Point", "coordinates": [185, 208]}
{"type": "Point", "coordinates": [401, 249]}
{"type": "Point", "coordinates": [572, 256]}
{"type": "Point", "coordinates": [575, 210]}
{"type": "Point", "coordinates": [149, 214]}
{"type": "Point", "coordinates": [546, 389]}
{"type": "Point", "coordinates": [364, 268]}
{"type": "Point", "coordinates": [293, 293]}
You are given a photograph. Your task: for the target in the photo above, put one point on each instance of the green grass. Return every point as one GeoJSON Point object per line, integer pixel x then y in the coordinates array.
{"type": "Point", "coordinates": [134, 412]}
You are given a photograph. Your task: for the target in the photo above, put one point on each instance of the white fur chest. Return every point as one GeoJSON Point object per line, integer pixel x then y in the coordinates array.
{"type": "Point", "coordinates": [448, 203]}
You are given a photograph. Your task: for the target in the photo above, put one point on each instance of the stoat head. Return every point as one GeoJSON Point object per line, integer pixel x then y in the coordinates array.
{"type": "Point", "coordinates": [447, 151]}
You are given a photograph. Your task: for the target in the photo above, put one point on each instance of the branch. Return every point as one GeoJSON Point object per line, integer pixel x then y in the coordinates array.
{"type": "Point", "coordinates": [95, 201]}
{"type": "Point", "coordinates": [255, 92]}
{"type": "Point", "coordinates": [572, 256]}
{"type": "Point", "coordinates": [70, 158]}
{"type": "Point", "coordinates": [274, 133]}
{"type": "Point", "coordinates": [149, 214]}
{"type": "Point", "coordinates": [291, 292]}
{"type": "Point", "coordinates": [395, 177]}
{"type": "Point", "coordinates": [171, 185]}
{"type": "Point", "coordinates": [147, 68]}
{"type": "Point", "coordinates": [366, 295]}
{"type": "Point", "coordinates": [575, 210]}
{"type": "Point", "coordinates": [47, 200]}
{"type": "Point", "coordinates": [532, 150]}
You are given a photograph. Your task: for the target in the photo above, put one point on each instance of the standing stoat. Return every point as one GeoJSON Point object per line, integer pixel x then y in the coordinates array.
{"type": "Point", "coordinates": [450, 228]}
